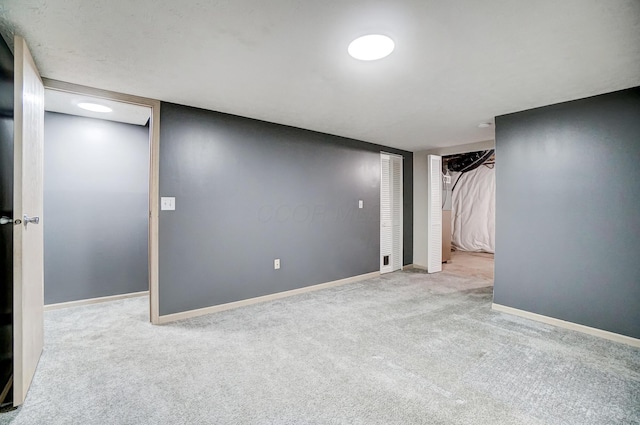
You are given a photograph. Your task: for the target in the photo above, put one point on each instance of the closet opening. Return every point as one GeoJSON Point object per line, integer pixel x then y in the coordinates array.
{"type": "Point", "coordinates": [468, 213]}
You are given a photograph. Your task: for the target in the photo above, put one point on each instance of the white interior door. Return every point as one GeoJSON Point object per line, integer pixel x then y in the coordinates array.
{"type": "Point", "coordinates": [390, 213]}
{"type": "Point", "coordinates": [28, 260]}
{"type": "Point", "coordinates": [434, 214]}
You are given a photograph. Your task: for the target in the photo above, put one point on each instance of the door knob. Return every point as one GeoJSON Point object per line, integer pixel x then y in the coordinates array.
{"type": "Point", "coordinates": [7, 220]}
{"type": "Point", "coordinates": [34, 220]}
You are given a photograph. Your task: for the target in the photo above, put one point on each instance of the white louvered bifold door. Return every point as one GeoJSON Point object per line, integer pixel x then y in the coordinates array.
{"type": "Point", "coordinates": [386, 236]}
{"type": "Point", "coordinates": [396, 212]}
{"type": "Point", "coordinates": [390, 213]}
{"type": "Point", "coordinates": [434, 214]}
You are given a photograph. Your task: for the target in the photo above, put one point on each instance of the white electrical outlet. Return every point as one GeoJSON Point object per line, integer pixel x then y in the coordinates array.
{"type": "Point", "coordinates": [360, 203]}
{"type": "Point", "coordinates": [276, 264]}
{"type": "Point", "coordinates": [167, 204]}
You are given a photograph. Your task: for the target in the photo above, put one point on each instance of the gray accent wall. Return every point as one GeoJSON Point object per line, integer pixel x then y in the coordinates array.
{"type": "Point", "coordinates": [96, 176]}
{"type": "Point", "coordinates": [568, 211]}
{"type": "Point", "coordinates": [248, 192]}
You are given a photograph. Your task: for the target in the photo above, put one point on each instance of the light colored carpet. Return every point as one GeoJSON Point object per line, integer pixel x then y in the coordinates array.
{"type": "Point", "coordinates": [405, 348]}
{"type": "Point", "coordinates": [478, 265]}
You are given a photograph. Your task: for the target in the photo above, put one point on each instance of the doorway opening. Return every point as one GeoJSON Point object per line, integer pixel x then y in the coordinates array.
{"type": "Point", "coordinates": [115, 153]}
{"type": "Point", "coordinates": [468, 214]}
{"type": "Point", "coordinates": [96, 199]}
{"type": "Point", "coordinates": [390, 212]}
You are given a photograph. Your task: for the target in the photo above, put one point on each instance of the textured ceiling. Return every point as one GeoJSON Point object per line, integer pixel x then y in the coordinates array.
{"type": "Point", "coordinates": [67, 103]}
{"type": "Point", "coordinates": [457, 62]}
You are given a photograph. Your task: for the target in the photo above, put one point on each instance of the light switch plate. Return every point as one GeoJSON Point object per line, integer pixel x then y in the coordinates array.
{"type": "Point", "coordinates": [276, 264]}
{"type": "Point", "coordinates": [167, 203]}
{"type": "Point", "coordinates": [360, 203]}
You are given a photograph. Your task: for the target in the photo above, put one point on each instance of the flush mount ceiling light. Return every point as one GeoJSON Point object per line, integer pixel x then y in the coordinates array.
{"type": "Point", "coordinates": [371, 47]}
{"type": "Point", "coordinates": [94, 107]}
{"type": "Point", "coordinates": [484, 125]}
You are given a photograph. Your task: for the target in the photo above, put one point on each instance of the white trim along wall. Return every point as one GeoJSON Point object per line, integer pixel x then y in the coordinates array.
{"type": "Point", "coordinates": [79, 303]}
{"type": "Point", "coordinates": [242, 303]}
{"type": "Point", "coordinates": [568, 325]}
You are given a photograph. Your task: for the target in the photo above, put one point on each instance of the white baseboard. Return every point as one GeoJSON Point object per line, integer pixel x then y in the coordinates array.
{"type": "Point", "coordinates": [242, 303]}
{"type": "Point", "coordinates": [568, 325]}
{"type": "Point", "coordinates": [49, 307]}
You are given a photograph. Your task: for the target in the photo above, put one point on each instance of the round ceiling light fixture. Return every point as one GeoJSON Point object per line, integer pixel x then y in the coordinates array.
{"type": "Point", "coordinates": [484, 125]}
{"type": "Point", "coordinates": [371, 47]}
{"type": "Point", "coordinates": [94, 107]}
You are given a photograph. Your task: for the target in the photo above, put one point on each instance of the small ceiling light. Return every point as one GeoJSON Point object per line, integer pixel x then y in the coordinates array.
{"type": "Point", "coordinates": [94, 107]}
{"type": "Point", "coordinates": [371, 47]}
{"type": "Point", "coordinates": [484, 125]}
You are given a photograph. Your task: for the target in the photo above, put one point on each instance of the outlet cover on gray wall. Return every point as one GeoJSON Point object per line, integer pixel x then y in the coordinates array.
{"type": "Point", "coordinates": [168, 203]}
